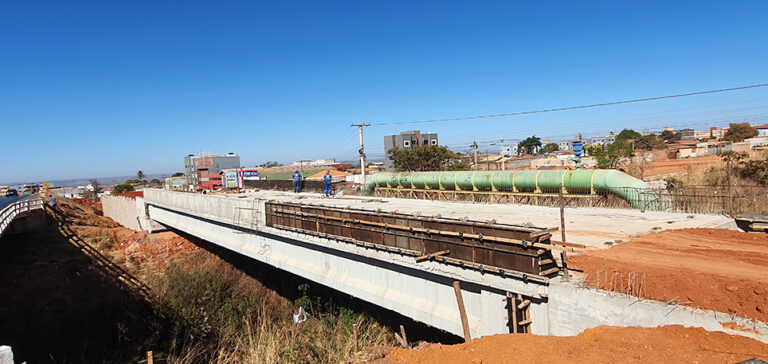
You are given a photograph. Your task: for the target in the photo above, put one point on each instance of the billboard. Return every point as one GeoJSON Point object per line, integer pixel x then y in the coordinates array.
{"type": "Point", "coordinates": [249, 174]}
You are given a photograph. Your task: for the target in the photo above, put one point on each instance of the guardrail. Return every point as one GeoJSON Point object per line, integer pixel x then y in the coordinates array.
{"type": "Point", "coordinates": [14, 209]}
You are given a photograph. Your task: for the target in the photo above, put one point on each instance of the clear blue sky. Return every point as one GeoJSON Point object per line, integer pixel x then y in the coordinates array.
{"type": "Point", "coordinates": [105, 88]}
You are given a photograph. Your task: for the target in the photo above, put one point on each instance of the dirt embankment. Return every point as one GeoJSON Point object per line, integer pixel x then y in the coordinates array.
{"type": "Point", "coordinates": [668, 344]}
{"type": "Point", "coordinates": [121, 243]}
{"type": "Point", "coordinates": [666, 166]}
{"type": "Point", "coordinates": [714, 269]}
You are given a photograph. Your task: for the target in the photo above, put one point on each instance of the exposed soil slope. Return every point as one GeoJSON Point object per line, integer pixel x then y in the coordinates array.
{"type": "Point", "coordinates": [668, 166]}
{"type": "Point", "coordinates": [715, 269]}
{"type": "Point", "coordinates": [668, 344]}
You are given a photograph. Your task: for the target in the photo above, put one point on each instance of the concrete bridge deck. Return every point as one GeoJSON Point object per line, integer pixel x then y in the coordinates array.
{"type": "Point", "coordinates": [424, 290]}
{"type": "Point", "coordinates": [584, 225]}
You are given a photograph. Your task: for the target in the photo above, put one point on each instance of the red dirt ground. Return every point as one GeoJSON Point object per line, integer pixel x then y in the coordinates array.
{"type": "Point", "coordinates": [667, 166]}
{"type": "Point", "coordinates": [668, 344]}
{"type": "Point", "coordinates": [131, 194]}
{"type": "Point", "coordinates": [130, 244]}
{"type": "Point", "coordinates": [715, 269]}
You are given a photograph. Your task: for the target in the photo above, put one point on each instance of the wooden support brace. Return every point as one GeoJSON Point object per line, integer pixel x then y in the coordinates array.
{"type": "Point", "coordinates": [400, 340]}
{"type": "Point", "coordinates": [549, 271]}
{"type": "Point", "coordinates": [513, 305]}
{"type": "Point", "coordinates": [432, 255]}
{"type": "Point", "coordinates": [354, 335]}
{"type": "Point", "coordinates": [462, 311]}
{"type": "Point", "coordinates": [524, 304]}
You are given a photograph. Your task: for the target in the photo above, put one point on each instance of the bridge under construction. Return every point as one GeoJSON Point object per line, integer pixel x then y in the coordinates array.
{"type": "Point", "coordinates": [449, 265]}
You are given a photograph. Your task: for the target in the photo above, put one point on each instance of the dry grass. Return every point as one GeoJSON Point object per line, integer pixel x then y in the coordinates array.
{"type": "Point", "coordinates": [229, 317]}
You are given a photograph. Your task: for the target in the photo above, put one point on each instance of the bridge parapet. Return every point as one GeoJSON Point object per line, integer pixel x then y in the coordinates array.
{"type": "Point", "coordinates": [241, 212]}
{"type": "Point", "coordinates": [13, 210]}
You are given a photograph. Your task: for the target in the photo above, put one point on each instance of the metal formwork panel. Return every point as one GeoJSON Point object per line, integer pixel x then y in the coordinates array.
{"type": "Point", "coordinates": [474, 244]}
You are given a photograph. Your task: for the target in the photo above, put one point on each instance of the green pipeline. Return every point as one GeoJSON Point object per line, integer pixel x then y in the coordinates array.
{"type": "Point", "coordinates": [635, 191]}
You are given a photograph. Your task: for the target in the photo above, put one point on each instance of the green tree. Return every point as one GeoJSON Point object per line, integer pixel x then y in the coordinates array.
{"type": "Point", "coordinates": [671, 136]}
{"type": "Point", "coordinates": [427, 158]}
{"type": "Point", "coordinates": [530, 145]}
{"type": "Point", "coordinates": [739, 132]}
{"type": "Point", "coordinates": [549, 148]}
{"type": "Point", "coordinates": [610, 156]}
{"type": "Point", "coordinates": [649, 142]}
{"type": "Point", "coordinates": [178, 174]}
{"type": "Point", "coordinates": [125, 187]}
{"type": "Point", "coordinates": [155, 181]}
{"type": "Point", "coordinates": [140, 175]}
{"type": "Point", "coordinates": [627, 134]}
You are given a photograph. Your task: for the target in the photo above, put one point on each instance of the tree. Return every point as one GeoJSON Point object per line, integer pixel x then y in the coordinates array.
{"type": "Point", "coordinates": [155, 181]}
{"type": "Point", "coordinates": [93, 190]}
{"type": "Point", "coordinates": [649, 142]}
{"type": "Point", "coordinates": [270, 164]}
{"type": "Point", "coordinates": [671, 136]}
{"type": "Point", "coordinates": [627, 134]}
{"type": "Point", "coordinates": [140, 175]}
{"type": "Point", "coordinates": [755, 170]}
{"type": "Point", "coordinates": [549, 148]}
{"type": "Point", "coordinates": [530, 144]}
{"type": "Point", "coordinates": [427, 158]}
{"type": "Point", "coordinates": [739, 132]}
{"type": "Point", "coordinates": [610, 156]}
{"type": "Point", "coordinates": [123, 188]}
{"type": "Point", "coordinates": [178, 174]}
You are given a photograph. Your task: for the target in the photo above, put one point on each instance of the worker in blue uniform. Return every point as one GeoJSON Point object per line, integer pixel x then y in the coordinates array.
{"type": "Point", "coordinates": [327, 178]}
{"type": "Point", "coordinates": [296, 181]}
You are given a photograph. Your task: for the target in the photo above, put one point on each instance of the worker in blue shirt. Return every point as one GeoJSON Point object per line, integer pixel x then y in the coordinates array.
{"type": "Point", "coordinates": [327, 178]}
{"type": "Point", "coordinates": [296, 181]}
{"type": "Point", "coordinates": [52, 202]}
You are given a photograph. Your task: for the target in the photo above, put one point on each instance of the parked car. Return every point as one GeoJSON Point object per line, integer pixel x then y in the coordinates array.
{"type": "Point", "coordinates": [11, 192]}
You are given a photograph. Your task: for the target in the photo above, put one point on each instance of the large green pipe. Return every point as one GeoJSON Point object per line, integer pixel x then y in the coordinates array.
{"type": "Point", "coordinates": [635, 191]}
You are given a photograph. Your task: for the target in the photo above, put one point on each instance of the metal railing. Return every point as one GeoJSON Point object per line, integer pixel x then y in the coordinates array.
{"type": "Point", "coordinates": [14, 209]}
{"type": "Point", "coordinates": [693, 199]}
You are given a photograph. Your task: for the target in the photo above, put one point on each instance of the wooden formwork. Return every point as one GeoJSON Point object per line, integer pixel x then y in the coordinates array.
{"type": "Point", "coordinates": [520, 251]}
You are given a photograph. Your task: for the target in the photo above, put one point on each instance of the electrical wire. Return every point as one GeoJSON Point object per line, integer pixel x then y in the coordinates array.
{"type": "Point", "coordinates": [574, 107]}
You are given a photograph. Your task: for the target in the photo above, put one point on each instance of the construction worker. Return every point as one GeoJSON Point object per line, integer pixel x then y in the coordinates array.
{"type": "Point", "coordinates": [327, 178]}
{"type": "Point", "coordinates": [52, 202]}
{"type": "Point", "coordinates": [296, 181]}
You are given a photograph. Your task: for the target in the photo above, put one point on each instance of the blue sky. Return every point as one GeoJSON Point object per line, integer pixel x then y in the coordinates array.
{"type": "Point", "coordinates": [105, 88]}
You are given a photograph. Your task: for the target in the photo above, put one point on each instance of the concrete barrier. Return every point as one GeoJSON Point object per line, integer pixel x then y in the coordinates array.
{"type": "Point", "coordinates": [128, 212]}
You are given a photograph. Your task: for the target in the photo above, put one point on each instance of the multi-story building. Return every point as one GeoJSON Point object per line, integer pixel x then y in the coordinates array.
{"type": "Point", "coordinates": [197, 168]}
{"type": "Point", "coordinates": [406, 140]}
{"type": "Point", "coordinates": [688, 134]}
{"type": "Point", "coordinates": [565, 145]}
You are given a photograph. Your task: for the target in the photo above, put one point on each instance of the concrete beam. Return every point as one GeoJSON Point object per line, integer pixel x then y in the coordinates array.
{"type": "Point", "coordinates": [421, 291]}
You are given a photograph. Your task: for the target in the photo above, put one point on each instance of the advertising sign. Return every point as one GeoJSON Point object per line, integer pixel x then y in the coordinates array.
{"type": "Point", "coordinates": [250, 174]}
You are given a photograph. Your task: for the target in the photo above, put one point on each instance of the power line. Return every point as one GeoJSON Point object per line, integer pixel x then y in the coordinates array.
{"type": "Point", "coordinates": [575, 107]}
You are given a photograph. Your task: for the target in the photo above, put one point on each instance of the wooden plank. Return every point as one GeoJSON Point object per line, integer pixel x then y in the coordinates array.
{"type": "Point", "coordinates": [462, 310]}
{"type": "Point", "coordinates": [549, 271]}
{"type": "Point", "coordinates": [524, 304]}
{"type": "Point", "coordinates": [400, 340]}
{"type": "Point", "coordinates": [432, 255]}
{"type": "Point", "coordinates": [513, 305]}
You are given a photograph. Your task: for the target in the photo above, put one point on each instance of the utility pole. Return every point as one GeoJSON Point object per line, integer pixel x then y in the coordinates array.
{"type": "Point", "coordinates": [503, 161]}
{"type": "Point", "coordinates": [474, 146]}
{"type": "Point", "coordinates": [362, 150]}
